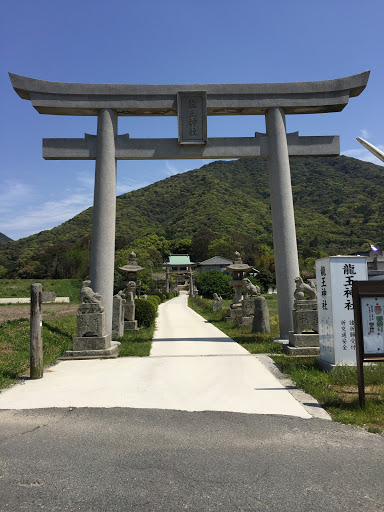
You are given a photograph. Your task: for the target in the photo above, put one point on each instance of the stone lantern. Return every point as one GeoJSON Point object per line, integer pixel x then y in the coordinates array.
{"type": "Point", "coordinates": [130, 324]}
{"type": "Point", "coordinates": [132, 269]}
{"type": "Point", "coordinates": [238, 270]}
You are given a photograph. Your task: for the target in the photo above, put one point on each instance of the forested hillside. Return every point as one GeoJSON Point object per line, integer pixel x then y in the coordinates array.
{"type": "Point", "coordinates": [4, 238]}
{"type": "Point", "coordinates": [223, 206]}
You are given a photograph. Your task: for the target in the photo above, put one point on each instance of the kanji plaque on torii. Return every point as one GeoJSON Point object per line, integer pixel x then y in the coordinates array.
{"type": "Point", "coordinates": [274, 101]}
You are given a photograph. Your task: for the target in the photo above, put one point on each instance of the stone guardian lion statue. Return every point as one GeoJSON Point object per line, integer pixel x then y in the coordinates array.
{"type": "Point", "coordinates": [252, 289]}
{"type": "Point", "coordinates": [88, 296]}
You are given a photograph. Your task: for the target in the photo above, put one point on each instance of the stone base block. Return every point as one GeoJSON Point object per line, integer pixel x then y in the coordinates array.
{"type": "Point", "coordinates": [303, 340]}
{"type": "Point", "coordinates": [301, 351]}
{"type": "Point", "coordinates": [130, 325]}
{"type": "Point", "coordinates": [302, 344]}
{"type": "Point", "coordinates": [107, 353]}
{"type": "Point", "coordinates": [233, 314]}
{"type": "Point", "coordinates": [92, 342]}
{"type": "Point", "coordinates": [246, 321]}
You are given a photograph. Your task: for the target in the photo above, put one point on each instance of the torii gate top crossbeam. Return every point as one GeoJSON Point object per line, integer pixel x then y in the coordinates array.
{"type": "Point", "coordinates": [79, 99]}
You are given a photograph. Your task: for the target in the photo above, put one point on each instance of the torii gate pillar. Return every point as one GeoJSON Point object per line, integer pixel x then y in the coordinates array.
{"type": "Point", "coordinates": [104, 212]}
{"type": "Point", "coordinates": [283, 217]}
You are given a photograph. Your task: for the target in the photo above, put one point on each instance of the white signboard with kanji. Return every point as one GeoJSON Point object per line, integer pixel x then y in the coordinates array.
{"type": "Point", "coordinates": [372, 309]}
{"type": "Point", "coordinates": [334, 277]}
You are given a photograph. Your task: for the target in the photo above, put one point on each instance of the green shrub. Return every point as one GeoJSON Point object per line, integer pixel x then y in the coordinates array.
{"type": "Point", "coordinates": [161, 295]}
{"type": "Point", "coordinates": [154, 300]}
{"type": "Point", "coordinates": [145, 312]}
{"type": "Point", "coordinates": [169, 295]}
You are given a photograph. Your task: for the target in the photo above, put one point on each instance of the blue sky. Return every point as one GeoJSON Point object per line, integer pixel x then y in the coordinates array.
{"type": "Point", "coordinates": [169, 42]}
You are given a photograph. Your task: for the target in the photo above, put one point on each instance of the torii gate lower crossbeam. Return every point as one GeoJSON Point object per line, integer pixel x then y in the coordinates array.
{"type": "Point", "coordinates": [192, 104]}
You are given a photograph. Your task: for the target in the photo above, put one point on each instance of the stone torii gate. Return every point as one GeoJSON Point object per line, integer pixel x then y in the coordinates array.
{"type": "Point", "coordinates": [192, 104]}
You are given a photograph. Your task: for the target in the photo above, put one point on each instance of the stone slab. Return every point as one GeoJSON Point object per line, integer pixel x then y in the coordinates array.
{"type": "Point", "coordinates": [107, 353]}
{"type": "Point", "coordinates": [92, 342]}
{"type": "Point", "coordinates": [301, 351]}
{"type": "Point", "coordinates": [246, 321]}
{"type": "Point", "coordinates": [303, 340]}
{"type": "Point", "coordinates": [130, 325]}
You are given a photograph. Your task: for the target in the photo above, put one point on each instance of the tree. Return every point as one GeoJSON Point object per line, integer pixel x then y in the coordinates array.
{"type": "Point", "coordinates": [200, 243]}
{"type": "Point", "coordinates": [222, 247]}
{"type": "Point", "coordinates": [212, 282]}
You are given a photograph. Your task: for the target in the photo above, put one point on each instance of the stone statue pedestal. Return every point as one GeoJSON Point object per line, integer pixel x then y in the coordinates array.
{"type": "Point", "coordinates": [247, 312]}
{"type": "Point", "coordinates": [92, 341]}
{"type": "Point", "coordinates": [305, 344]}
{"type": "Point", "coordinates": [304, 340]}
{"type": "Point", "coordinates": [305, 316]}
{"type": "Point", "coordinates": [234, 312]}
{"type": "Point", "coordinates": [130, 324]}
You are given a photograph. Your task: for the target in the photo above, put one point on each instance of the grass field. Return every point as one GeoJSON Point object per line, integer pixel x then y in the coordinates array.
{"type": "Point", "coordinates": [14, 345]}
{"type": "Point", "coordinates": [17, 288]}
{"type": "Point", "coordinates": [336, 391]}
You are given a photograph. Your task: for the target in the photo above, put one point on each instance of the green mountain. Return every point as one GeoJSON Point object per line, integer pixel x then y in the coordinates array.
{"type": "Point", "coordinates": [4, 238]}
{"type": "Point", "coordinates": [338, 208]}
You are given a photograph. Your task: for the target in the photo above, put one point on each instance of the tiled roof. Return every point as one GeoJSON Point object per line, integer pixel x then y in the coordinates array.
{"type": "Point", "coordinates": [217, 260]}
{"type": "Point", "coordinates": [180, 259]}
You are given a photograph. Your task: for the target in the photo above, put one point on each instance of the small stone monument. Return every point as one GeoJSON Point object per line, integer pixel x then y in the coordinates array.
{"type": "Point", "coordinates": [251, 291]}
{"type": "Point", "coordinates": [91, 341]}
{"type": "Point", "coordinates": [130, 324]}
{"type": "Point", "coordinates": [217, 303]}
{"type": "Point", "coordinates": [304, 340]}
{"type": "Point", "coordinates": [260, 321]}
{"type": "Point", "coordinates": [118, 314]}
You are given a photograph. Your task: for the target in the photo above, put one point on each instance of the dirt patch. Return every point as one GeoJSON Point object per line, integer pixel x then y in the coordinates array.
{"type": "Point", "coordinates": [49, 311]}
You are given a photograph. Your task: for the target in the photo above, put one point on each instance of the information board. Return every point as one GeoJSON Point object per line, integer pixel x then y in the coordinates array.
{"type": "Point", "coordinates": [368, 297]}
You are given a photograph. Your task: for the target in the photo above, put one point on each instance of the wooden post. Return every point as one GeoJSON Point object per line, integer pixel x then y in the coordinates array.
{"type": "Point", "coordinates": [36, 339]}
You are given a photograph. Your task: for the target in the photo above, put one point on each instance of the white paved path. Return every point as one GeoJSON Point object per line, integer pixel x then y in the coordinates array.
{"type": "Point", "coordinates": [193, 366]}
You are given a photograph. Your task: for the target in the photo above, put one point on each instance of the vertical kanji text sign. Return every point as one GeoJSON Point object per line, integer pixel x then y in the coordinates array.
{"type": "Point", "coordinates": [335, 276]}
{"type": "Point", "coordinates": [192, 117]}
{"type": "Point", "coordinates": [368, 300]}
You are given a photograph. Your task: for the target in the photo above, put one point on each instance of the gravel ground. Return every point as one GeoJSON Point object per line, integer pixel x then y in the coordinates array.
{"type": "Point", "coordinates": [15, 312]}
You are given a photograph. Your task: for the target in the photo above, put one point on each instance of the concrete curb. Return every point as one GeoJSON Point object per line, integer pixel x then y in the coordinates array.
{"type": "Point", "coordinates": [310, 404]}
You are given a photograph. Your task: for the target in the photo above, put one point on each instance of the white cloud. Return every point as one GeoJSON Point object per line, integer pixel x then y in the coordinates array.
{"type": "Point", "coordinates": [364, 133]}
{"type": "Point", "coordinates": [86, 179]}
{"type": "Point", "coordinates": [46, 215]}
{"type": "Point", "coordinates": [364, 154]}
{"type": "Point", "coordinates": [13, 195]}
{"type": "Point", "coordinates": [125, 185]}
{"type": "Point", "coordinates": [177, 166]}
{"type": "Point", "coordinates": [171, 169]}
